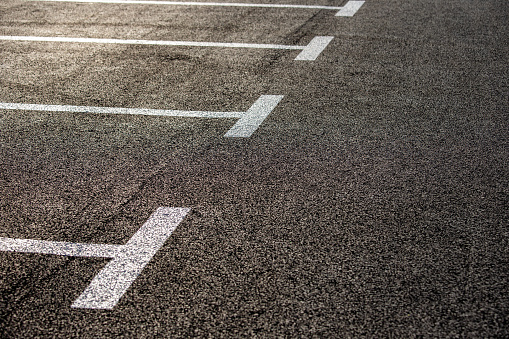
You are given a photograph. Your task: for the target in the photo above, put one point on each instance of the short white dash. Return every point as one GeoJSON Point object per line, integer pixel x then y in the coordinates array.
{"type": "Point", "coordinates": [59, 248]}
{"type": "Point", "coordinates": [350, 8]}
{"type": "Point", "coordinates": [314, 48]}
{"type": "Point", "coordinates": [252, 119]}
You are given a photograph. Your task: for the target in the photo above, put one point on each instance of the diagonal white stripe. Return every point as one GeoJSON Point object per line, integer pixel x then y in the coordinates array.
{"type": "Point", "coordinates": [350, 8]}
{"type": "Point", "coordinates": [116, 277]}
{"type": "Point", "coordinates": [128, 261]}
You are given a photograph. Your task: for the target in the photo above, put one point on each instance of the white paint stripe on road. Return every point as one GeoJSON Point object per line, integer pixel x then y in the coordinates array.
{"type": "Point", "coordinates": [254, 116]}
{"type": "Point", "coordinates": [311, 45]}
{"type": "Point", "coordinates": [149, 42]}
{"type": "Point", "coordinates": [247, 124]}
{"type": "Point", "coordinates": [119, 110]}
{"type": "Point", "coordinates": [195, 3]}
{"type": "Point", "coordinates": [59, 248]}
{"type": "Point", "coordinates": [110, 284]}
{"type": "Point", "coordinates": [314, 48]}
{"type": "Point", "coordinates": [350, 8]}
{"type": "Point", "coordinates": [116, 277]}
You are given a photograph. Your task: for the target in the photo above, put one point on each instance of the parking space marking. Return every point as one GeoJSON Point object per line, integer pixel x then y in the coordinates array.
{"type": "Point", "coordinates": [247, 124]}
{"type": "Point", "coordinates": [119, 110]}
{"type": "Point", "coordinates": [309, 52]}
{"type": "Point", "coordinates": [314, 48]}
{"type": "Point", "coordinates": [254, 116]}
{"type": "Point", "coordinates": [128, 260]}
{"type": "Point", "coordinates": [58, 248]}
{"type": "Point", "coordinates": [349, 9]}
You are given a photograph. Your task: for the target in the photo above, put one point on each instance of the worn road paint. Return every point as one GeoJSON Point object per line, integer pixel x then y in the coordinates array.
{"type": "Point", "coordinates": [350, 8]}
{"type": "Point", "coordinates": [110, 284]}
{"type": "Point", "coordinates": [247, 124]}
{"type": "Point", "coordinates": [311, 45]}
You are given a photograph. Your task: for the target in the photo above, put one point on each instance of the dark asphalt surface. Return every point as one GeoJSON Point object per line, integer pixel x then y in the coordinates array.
{"type": "Point", "coordinates": [372, 202]}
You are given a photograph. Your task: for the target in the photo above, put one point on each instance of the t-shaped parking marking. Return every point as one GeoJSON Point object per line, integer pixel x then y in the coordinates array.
{"type": "Point", "coordinates": [349, 9]}
{"type": "Point", "coordinates": [309, 52]}
{"type": "Point", "coordinates": [247, 124]}
{"type": "Point", "coordinates": [116, 277]}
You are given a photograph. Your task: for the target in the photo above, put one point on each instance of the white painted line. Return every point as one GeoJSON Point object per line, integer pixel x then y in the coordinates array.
{"type": "Point", "coordinates": [168, 43]}
{"type": "Point", "coordinates": [116, 277]}
{"type": "Point", "coordinates": [109, 285]}
{"type": "Point", "coordinates": [148, 42]}
{"type": "Point", "coordinates": [119, 110]}
{"type": "Point", "coordinates": [58, 248]}
{"type": "Point", "coordinates": [196, 3]}
{"type": "Point", "coordinates": [350, 8]}
{"type": "Point", "coordinates": [254, 116]}
{"type": "Point", "coordinates": [314, 48]}
{"type": "Point", "coordinates": [247, 124]}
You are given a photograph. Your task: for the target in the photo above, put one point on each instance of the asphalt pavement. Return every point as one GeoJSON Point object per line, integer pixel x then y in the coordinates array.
{"type": "Point", "coordinates": [361, 191]}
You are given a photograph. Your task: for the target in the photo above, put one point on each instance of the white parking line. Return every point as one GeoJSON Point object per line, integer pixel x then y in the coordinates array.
{"type": "Point", "coordinates": [116, 277]}
{"type": "Point", "coordinates": [254, 116]}
{"type": "Point", "coordinates": [349, 9]}
{"type": "Point", "coordinates": [58, 248]}
{"type": "Point", "coordinates": [119, 110]}
{"type": "Point", "coordinates": [314, 48]}
{"type": "Point", "coordinates": [309, 52]}
{"type": "Point", "coordinates": [247, 124]}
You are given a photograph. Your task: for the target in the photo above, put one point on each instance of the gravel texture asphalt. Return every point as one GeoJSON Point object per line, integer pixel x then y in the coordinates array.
{"type": "Point", "coordinates": [371, 202]}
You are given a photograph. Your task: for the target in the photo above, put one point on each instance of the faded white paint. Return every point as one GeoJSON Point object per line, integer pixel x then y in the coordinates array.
{"type": "Point", "coordinates": [119, 110]}
{"type": "Point", "coordinates": [349, 9]}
